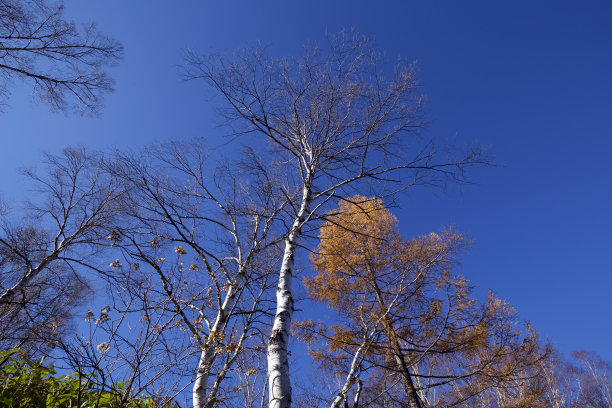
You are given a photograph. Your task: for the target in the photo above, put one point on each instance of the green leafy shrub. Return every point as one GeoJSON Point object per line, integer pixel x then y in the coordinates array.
{"type": "Point", "coordinates": [25, 383]}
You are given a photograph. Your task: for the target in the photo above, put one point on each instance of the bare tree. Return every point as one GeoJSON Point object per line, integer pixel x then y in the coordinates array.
{"type": "Point", "coordinates": [66, 65]}
{"type": "Point", "coordinates": [338, 121]}
{"type": "Point", "coordinates": [198, 245]}
{"type": "Point", "coordinates": [584, 381]}
{"type": "Point", "coordinates": [42, 254]}
{"type": "Point", "coordinates": [594, 380]}
{"type": "Point", "coordinates": [581, 381]}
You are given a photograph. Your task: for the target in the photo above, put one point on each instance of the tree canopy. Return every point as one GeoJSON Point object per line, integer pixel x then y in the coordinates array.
{"type": "Point", "coordinates": [65, 65]}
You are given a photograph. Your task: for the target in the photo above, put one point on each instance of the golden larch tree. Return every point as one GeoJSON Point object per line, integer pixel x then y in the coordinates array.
{"type": "Point", "coordinates": [408, 327]}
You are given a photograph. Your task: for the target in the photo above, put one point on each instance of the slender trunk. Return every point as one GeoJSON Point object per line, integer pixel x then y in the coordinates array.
{"type": "Point", "coordinates": [357, 394]}
{"type": "Point", "coordinates": [279, 385]}
{"type": "Point", "coordinates": [207, 355]}
{"type": "Point", "coordinates": [412, 396]}
{"type": "Point", "coordinates": [201, 381]}
{"type": "Point", "coordinates": [351, 378]}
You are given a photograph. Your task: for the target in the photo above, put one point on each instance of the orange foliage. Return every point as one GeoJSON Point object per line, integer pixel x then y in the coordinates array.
{"type": "Point", "coordinates": [404, 289]}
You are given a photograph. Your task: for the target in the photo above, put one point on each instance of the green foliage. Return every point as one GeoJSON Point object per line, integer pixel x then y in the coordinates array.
{"type": "Point", "coordinates": [25, 383]}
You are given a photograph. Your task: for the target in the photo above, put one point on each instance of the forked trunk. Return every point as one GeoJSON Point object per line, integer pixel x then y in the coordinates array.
{"type": "Point", "coordinates": [342, 396]}
{"type": "Point", "coordinates": [207, 355]}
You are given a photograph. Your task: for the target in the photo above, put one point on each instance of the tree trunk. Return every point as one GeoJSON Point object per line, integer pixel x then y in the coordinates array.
{"type": "Point", "coordinates": [207, 355]}
{"type": "Point", "coordinates": [279, 385]}
{"type": "Point", "coordinates": [411, 393]}
{"type": "Point", "coordinates": [351, 378]}
{"type": "Point", "coordinates": [201, 381]}
{"type": "Point", "coordinates": [412, 396]}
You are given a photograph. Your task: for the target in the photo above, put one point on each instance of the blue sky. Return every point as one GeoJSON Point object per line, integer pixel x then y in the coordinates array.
{"type": "Point", "coordinates": [532, 80]}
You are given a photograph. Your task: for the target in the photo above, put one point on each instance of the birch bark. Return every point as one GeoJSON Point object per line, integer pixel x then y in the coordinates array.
{"type": "Point", "coordinates": [200, 387]}
{"type": "Point", "coordinates": [202, 397]}
{"type": "Point", "coordinates": [351, 378]}
{"type": "Point", "coordinates": [279, 386]}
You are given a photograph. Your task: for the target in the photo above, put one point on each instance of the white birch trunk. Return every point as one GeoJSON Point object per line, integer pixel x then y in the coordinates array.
{"type": "Point", "coordinates": [351, 379]}
{"type": "Point", "coordinates": [201, 382]}
{"type": "Point", "coordinates": [207, 355]}
{"type": "Point", "coordinates": [357, 394]}
{"type": "Point", "coordinates": [279, 385]}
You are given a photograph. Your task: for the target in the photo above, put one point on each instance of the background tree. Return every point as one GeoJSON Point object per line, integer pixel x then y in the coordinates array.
{"type": "Point", "coordinates": [408, 327]}
{"type": "Point", "coordinates": [593, 379]}
{"type": "Point", "coordinates": [66, 65]}
{"type": "Point", "coordinates": [43, 254]}
{"type": "Point", "coordinates": [584, 381]}
{"type": "Point", "coordinates": [337, 121]}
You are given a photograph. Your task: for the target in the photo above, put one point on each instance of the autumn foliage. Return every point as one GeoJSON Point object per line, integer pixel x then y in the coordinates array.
{"type": "Point", "coordinates": [409, 323]}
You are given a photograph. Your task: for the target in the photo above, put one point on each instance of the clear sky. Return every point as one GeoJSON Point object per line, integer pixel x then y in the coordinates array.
{"type": "Point", "coordinates": [530, 79]}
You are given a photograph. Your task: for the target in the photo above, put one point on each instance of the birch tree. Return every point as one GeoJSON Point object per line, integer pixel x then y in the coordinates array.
{"type": "Point", "coordinates": [338, 120]}
{"type": "Point", "coordinates": [197, 243]}
{"type": "Point", "coordinates": [583, 380]}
